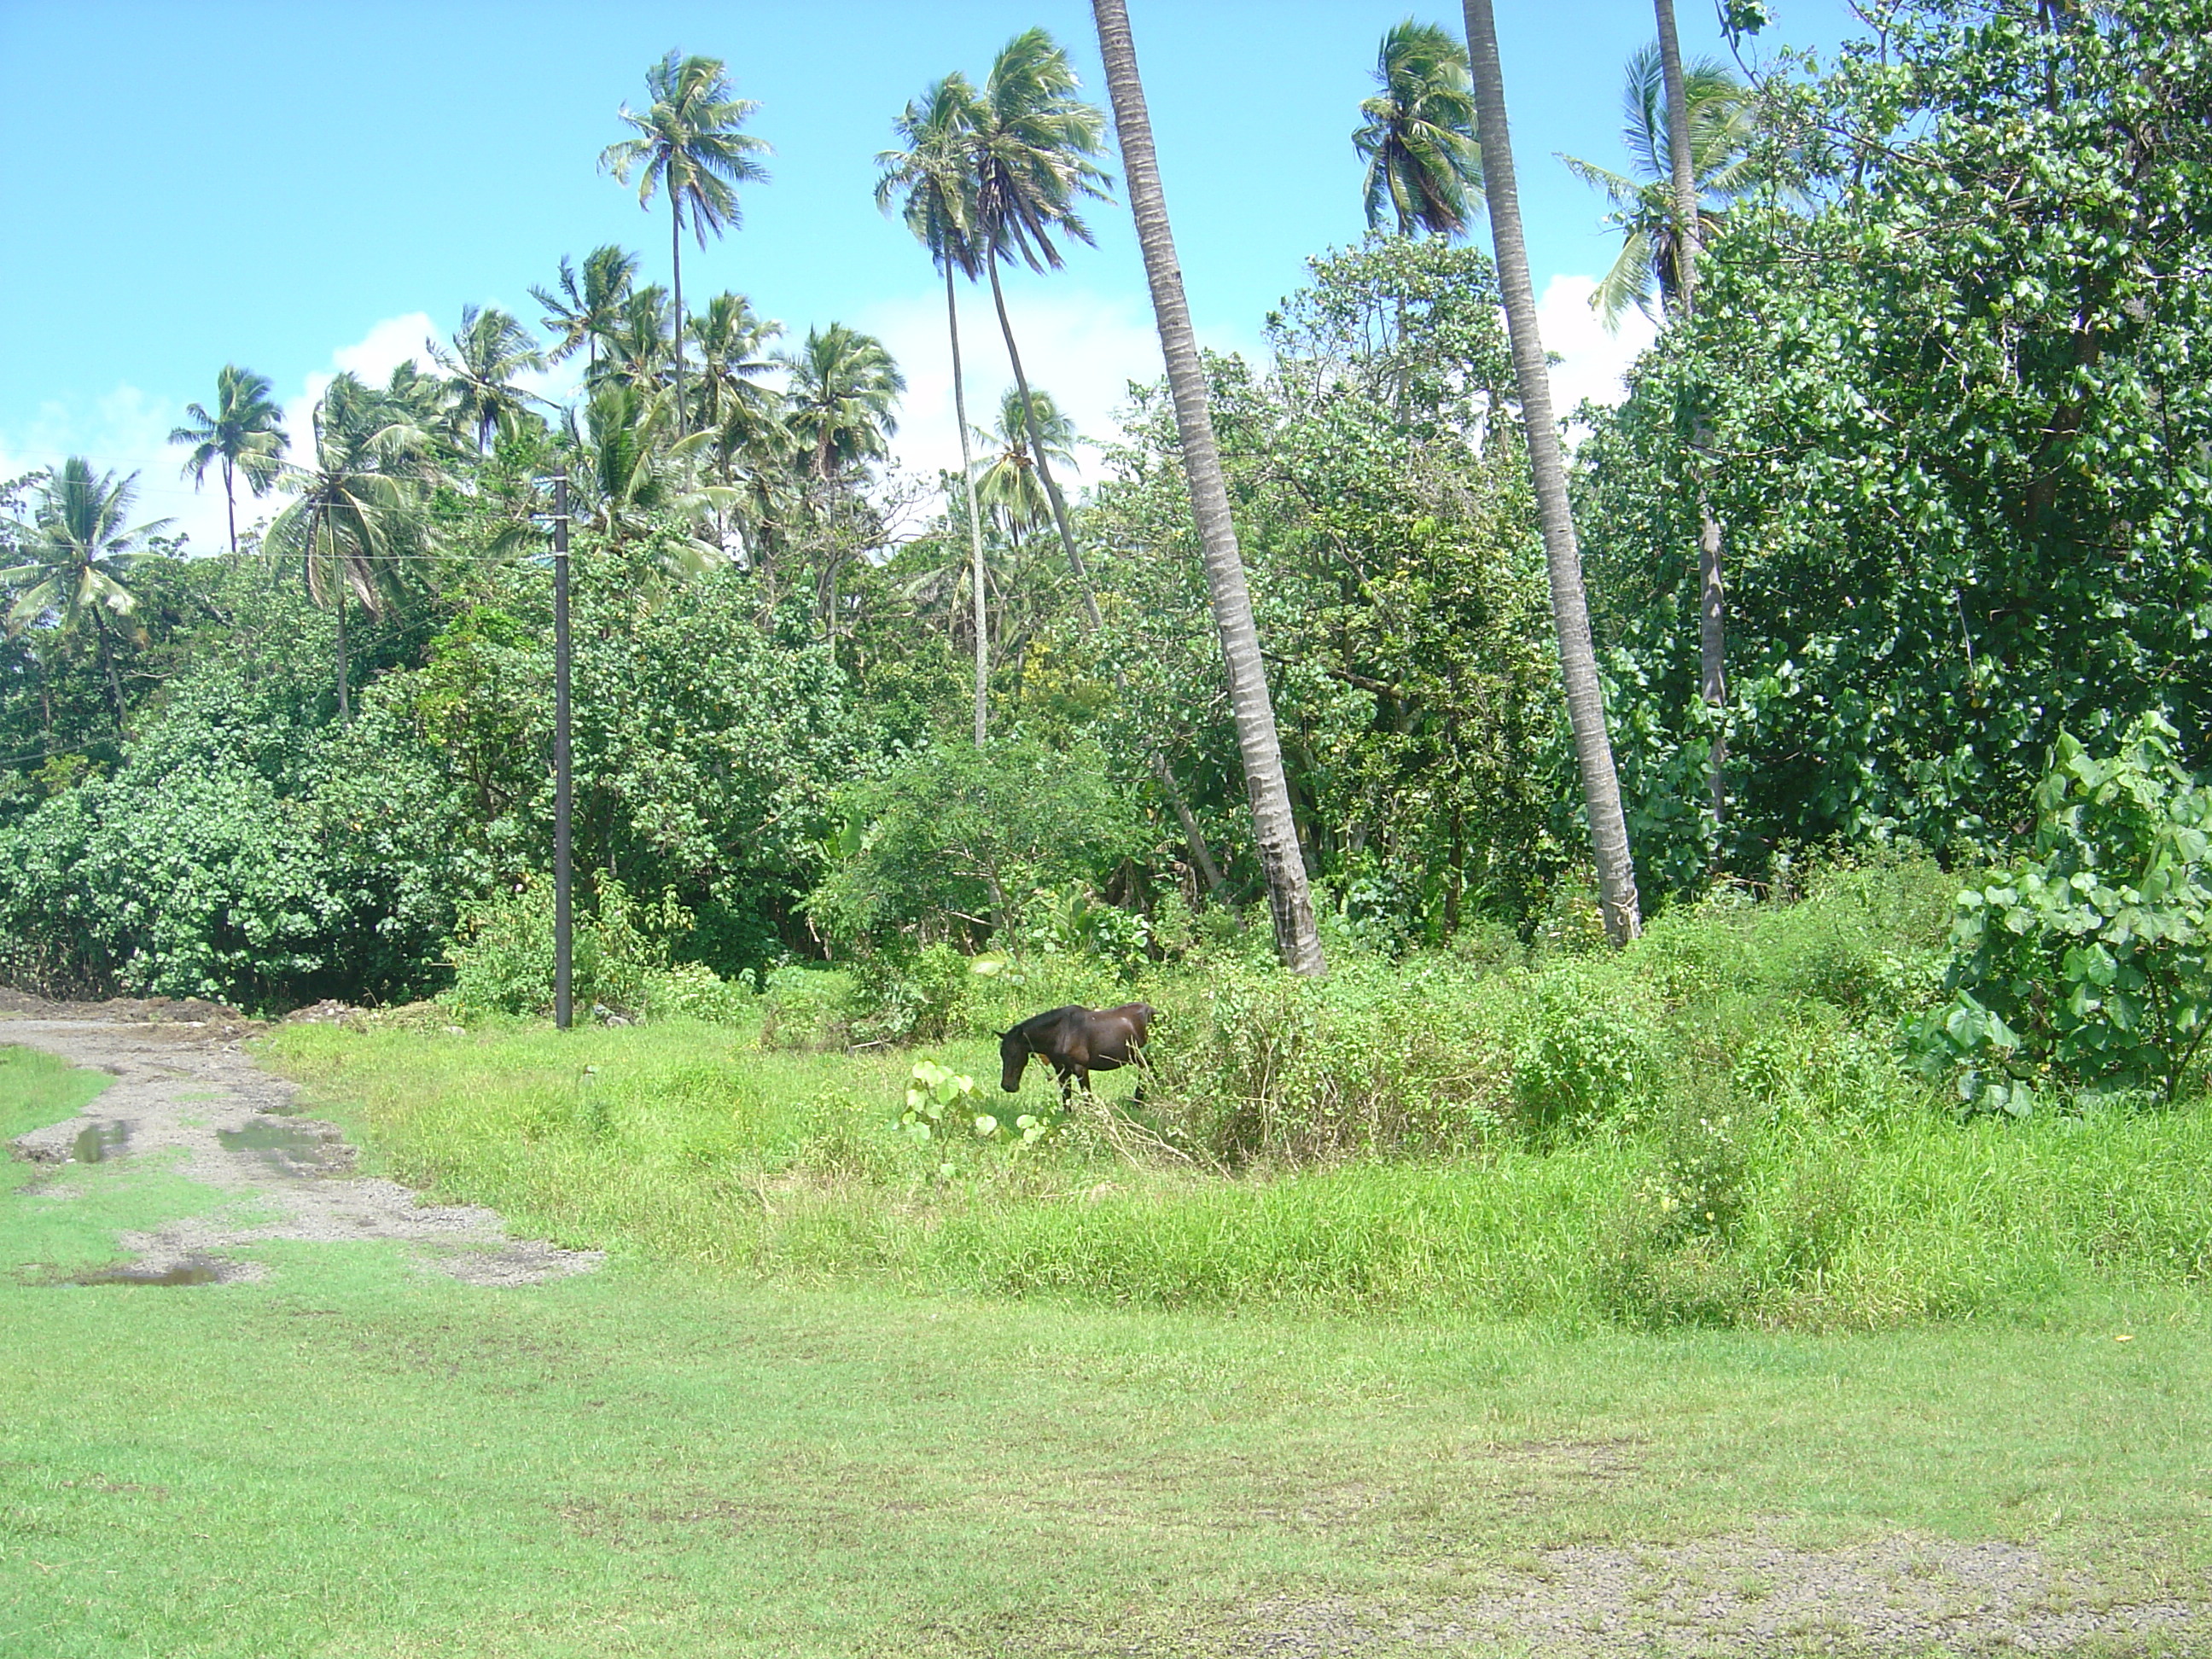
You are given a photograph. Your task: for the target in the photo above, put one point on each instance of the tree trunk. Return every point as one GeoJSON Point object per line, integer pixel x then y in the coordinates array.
{"type": "Point", "coordinates": [230, 506]}
{"type": "Point", "coordinates": [1288, 898]}
{"type": "Point", "coordinates": [345, 705]}
{"type": "Point", "coordinates": [108, 666]}
{"type": "Point", "coordinates": [1686, 227]}
{"type": "Point", "coordinates": [676, 257]}
{"type": "Point", "coordinates": [1036, 450]}
{"type": "Point", "coordinates": [1616, 874]}
{"type": "Point", "coordinates": [975, 522]}
{"type": "Point", "coordinates": [1689, 248]}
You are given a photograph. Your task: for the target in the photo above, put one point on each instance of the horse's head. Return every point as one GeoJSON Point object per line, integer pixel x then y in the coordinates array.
{"type": "Point", "coordinates": [1013, 1060]}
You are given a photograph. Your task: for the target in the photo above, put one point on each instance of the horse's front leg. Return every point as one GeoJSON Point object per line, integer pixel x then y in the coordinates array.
{"type": "Point", "coordinates": [1143, 1074]}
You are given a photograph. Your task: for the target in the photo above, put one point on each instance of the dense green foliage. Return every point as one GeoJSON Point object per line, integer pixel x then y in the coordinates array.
{"type": "Point", "coordinates": [1957, 411]}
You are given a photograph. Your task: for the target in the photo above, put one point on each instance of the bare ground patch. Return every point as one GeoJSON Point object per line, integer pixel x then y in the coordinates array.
{"type": "Point", "coordinates": [184, 1088]}
{"type": "Point", "coordinates": [1745, 1595]}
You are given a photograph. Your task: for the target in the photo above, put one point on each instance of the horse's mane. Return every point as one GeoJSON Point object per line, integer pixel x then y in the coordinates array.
{"type": "Point", "coordinates": [1051, 1017]}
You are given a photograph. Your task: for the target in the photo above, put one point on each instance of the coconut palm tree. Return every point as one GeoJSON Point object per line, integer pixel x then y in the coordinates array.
{"type": "Point", "coordinates": [934, 171]}
{"type": "Point", "coordinates": [246, 434]}
{"type": "Point", "coordinates": [359, 511]}
{"type": "Point", "coordinates": [690, 144]}
{"type": "Point", "coordinates": [1689, 133]}
{"type": "Point", "coordinates": [634, 349]}
{"type": "Point", "coordinates": [1616, 873]}
{"type": "Point", "coordinates": [489, 350]}
{"type": "Point", "coordinates": [1275, 831]}
{"type": "Point", "coordinates": [1419, 139]}
{"type": "Point", "coordinates": [1006, 485]}
{"type": "Point", "coordinates": [586, 306]}
{"type": "Point", "coordinates": [732, 341]}
{"type": "Point", "coordinates": [1650, 269]}
{"type": "Point", "coordinates": [1030, 166]}
{"type": "Point", "coordinates": [843, 388]}
{"type": "Point", "coordinates": [633, 469]}
{"type": "Point", "coordinates": [76, 550]}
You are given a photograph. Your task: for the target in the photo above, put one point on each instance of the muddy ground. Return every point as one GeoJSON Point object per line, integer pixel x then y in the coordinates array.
{"type": "Point", "coordinates": [186, 1094]}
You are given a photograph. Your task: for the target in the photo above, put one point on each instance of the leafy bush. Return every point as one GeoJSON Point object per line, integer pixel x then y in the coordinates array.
{"type": "Point", "coordinates": [502, 956]}
{"type": "Point", "coordinates": [957, 842]}
{"type": "Point", "coordinates": [2087, 966]}
{"type": "Point", "coordinates": [1586, 1052]}
{"type": "Point", "coordinates": [804, 1007]}
{"type": "Point", "coordinates": [196, 872]}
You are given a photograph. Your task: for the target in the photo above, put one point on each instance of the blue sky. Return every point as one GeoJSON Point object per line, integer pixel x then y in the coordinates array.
{"type": "Point", "coordinates": [307, 186]}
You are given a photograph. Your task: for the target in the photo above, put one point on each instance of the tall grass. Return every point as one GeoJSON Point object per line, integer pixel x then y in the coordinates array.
{"type": "Point", "coordinates": [1714, 1127]}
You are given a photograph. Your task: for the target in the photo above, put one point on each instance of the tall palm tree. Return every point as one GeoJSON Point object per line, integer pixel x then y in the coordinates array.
{"type": "Point", "coordinates": [1029, 161]}
{"type": "Point", "coordinates": [359, 511]}
{"type": "Point", "coordinates": [76, 550]}
{"type": "Point", "coordinates": [1274, 831]}
{"type": "Point", "coordinates": [1006, 484]}
{"type": "Point", "coordinates": [1419, 140]}
{"type": "Point", "coordinates": [489, 350]}
{"type": "Point", "coordinates": [733, 340]}
{"type": "Point", "coordinates": [1616, 873]}
{"type": "Point", "coordinates": [1689, 135]}
{"type": "Point", "coordinates": [245, 433]}
{"type": "Point", "coordinates": [1648, 273]}
{"type": "Point", "coordinates": [634, 348]}
{"type": "Point", "coordinates": [633, 469]}
{"type": "Point", "coordinates": [689, 143]}
{"type": "Point", "coordinates": [584, 308]}
{"type": "Point", "coordinates": [934, 171]}
{"type": "Point", "coordinates": [844, 386]}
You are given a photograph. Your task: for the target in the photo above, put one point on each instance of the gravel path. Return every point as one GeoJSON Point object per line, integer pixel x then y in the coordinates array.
{"type": "Point", "coordinates": [186, 1094]}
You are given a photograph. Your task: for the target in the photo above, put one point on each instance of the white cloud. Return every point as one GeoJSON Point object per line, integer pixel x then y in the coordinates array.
{"type": "Point", "coordinates": [387, 344]}
{"type": "Point", "coordinates": [1082, 347]}
{"type": "Point", "coordinates": [125, 432]}
{"type": "Point", "coordinates": [1591, 360]}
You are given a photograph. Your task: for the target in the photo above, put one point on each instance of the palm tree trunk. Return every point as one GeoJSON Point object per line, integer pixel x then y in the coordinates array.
{"type": "Point", "coordinates": [345, 706]}
{"type": "Point", "coordinates": [108, 666]}
{"type": "Point", "coordinates": [1616, 873]}
{"type": "Point", "coordinates": [1689, 248]}
{"type": "Point", "coordinates": [1036, 450]}
{"type": "Point", "coordinates": [676, 255]}
{"type": "Point", "coordinates": [230, 506]}
{"type": "Point", "coordinates": [1273, 829]}
{"type": "Point", "coordinates": [975, 522]}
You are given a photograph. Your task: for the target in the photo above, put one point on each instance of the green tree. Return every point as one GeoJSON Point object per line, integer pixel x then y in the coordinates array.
{"type": "Point", "coordinates": [1007, 485]}
{"type": "Point", "coordinates": [934, 172]}
{"type": "Point", "coordinates": [1958, 417]}
{"type": "Point", "coordinates": [1646, 272]}
{"type": "Point", "coordinates": [635, 483]}
{"type": "Point", "coordinates": [581, 309]}
{"type": "Point", "coordinates": [1585, 694]}
{"type": "Point", "coordinates": [1274, 828]}
{"type": "Point", "coordinates": [359, 507]}
{"type": "Point", "coordinates": [75, 551]}
{"type": "Point", "coordinates": [1689, 134]}
{"type": "Point", "coordinates": [1031, 153]}
{"type": "Point", "coordinates": [844, 386]}
{"type": "Point", "coordinates": [634, 349]}
{"type": "Point", "coordinates": [1418, 138]}
{"type": "Point", "coordinates": [245, 433]}
{"type": "Point", "coordinates": [732, 341]}
{"type": "Point", "coordinates": [488, 352]}
{"type": "Point", "coordinates": [689, 143]}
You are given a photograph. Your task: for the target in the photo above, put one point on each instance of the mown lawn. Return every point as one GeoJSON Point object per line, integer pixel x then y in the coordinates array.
{"type": "Point", "coordinates": [355, 1457]}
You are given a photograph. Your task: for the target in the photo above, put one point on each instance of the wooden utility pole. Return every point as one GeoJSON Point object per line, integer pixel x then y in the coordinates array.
{"type": "Point", "coordinates": [563, 915]}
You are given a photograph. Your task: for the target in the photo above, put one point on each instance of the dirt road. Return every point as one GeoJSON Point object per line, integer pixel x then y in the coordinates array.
{"type": "Point", "coordinates": [187, 1094]}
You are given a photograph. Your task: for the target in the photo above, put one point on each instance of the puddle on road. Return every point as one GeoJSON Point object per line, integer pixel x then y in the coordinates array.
{"type": "Point", "coordinates": [98, 1142]}
{"type": "Point", "coordinates": [290, 1147]}
{"type": "Point", "coordinates": [193, 1270]}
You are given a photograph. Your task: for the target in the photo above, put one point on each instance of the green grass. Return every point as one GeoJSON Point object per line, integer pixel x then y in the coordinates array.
{"type": "Point", "coordinates": [352, 1457]}
{"type": "Point", "coordinates": [685, 1143]}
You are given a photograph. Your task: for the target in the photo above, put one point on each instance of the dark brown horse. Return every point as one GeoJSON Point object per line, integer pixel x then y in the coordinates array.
{"type": "Point", "coordinates": [1077, 1042]}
